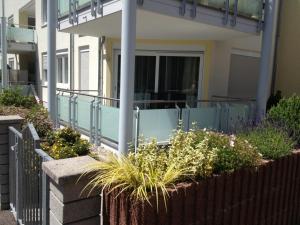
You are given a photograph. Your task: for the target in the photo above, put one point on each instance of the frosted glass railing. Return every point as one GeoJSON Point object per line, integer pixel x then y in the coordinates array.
{"type": "Point", "coordinates": [63, 6]}
{"type": "Point", "coordinates": [248, 8]}
{"type": "Point", "coordinates": [158, 124]}
{"type": "Point", "coordinates": [109, 123]}
{"type": "Point", "coordinates": [18, 34]}
{"type": "Point", "coordinates": [101, 121]}
{"type": "Point", "coordinates": [64, 108]}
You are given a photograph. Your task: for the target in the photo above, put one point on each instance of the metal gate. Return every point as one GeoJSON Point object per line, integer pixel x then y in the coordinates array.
{"type": "Point", "coordinates": [29, 186]}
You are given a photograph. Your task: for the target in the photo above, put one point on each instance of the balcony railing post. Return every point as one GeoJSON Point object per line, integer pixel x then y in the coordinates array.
{"type": "Point", "coordinates": [137, 129]}
{"type": "Point", "coordinates": [226, 17]}
{"type": "Point", "coordinates": [92, 126]}
{"type": "Point", "coordinates": [194, 10]}
{"type": "Point", "coordinates": [235, 13]}
{"type": "Point", "coordinates": [182, 8]}
{"type": "Point", "coordinates": [100, 7]}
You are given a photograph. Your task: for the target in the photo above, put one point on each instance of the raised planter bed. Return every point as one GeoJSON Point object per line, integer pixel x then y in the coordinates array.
{"type": "Point", "coordinates": [267, 195]}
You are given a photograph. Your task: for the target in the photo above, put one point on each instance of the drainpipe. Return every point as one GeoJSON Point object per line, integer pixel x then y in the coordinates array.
{"type": "Point", "coordinates": [4, 48]}
{"type": "Point", "coordinates": [276, 48]}
{"type": "Point", "coordinates": [51, 55]}
{"type": "Point", "coordinates": [128, 40]}
{"type": "Point", "coordinates": [101, 42]}
{"type": "Point", "coordinates": [72, 86]}
{"type": "Point", "coordinates": [267, 57]}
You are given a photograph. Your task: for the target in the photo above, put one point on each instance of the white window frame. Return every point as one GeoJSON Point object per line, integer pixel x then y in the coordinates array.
{"type": "Point", "coordinates": [45, 81]}
{"type": "Point", "coordinates": [11, 60]}
{"type": "Point", "coordinates": [65, 59]}
{"type": "Point", "coordinates": [158, 54]}
{"type": "Point", "coordinates": [63, 55]}
{"type": "Point", "coordinates": [44, 15]}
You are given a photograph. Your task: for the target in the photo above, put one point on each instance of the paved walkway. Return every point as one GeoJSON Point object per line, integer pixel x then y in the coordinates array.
{"type": "Point", "coordinates": [7, 218]}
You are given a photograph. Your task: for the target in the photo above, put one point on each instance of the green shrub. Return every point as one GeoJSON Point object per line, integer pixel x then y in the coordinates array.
{"type": "Point", "coordinates": [287, 115]}
{"type": "Point", "coordinates": [271, 142]}
{"type": "Point", "coordinates": [14, 97]}
{"type": "Point", "coordinates": [39, 117]}
{"type": "Point", "coordinates": [65, 143]}
{"type": "Point", "coordinates": [233, 153]}
{"type": "Point", "coordinates": [194, 156]}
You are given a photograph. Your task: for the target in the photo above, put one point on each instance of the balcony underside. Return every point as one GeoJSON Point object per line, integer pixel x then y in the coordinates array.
{"type": "Point", "coordinates": [17, 48]}
{"type": "Point", "coordinates": [161, 20]}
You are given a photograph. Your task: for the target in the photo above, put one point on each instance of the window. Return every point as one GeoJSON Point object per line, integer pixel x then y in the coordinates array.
{"type": "Point", "coordinates": [10, 20]}
{"type": "Point", "coordinates": [44, 68]}
{"type": "Point", "coordinates": [62, 69]}
{"type": "Point", "coordinates": [11, 63]}
{"type": "Point", "coordinates": [44, 12]}
{"type": "Point", "coordinates": [165, 76]}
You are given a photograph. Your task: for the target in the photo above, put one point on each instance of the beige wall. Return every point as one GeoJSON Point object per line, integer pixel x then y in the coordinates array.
{"type": "Point", "coordinates": [288, 60]}
{"type": "Point", "coordinates": [249, 46]}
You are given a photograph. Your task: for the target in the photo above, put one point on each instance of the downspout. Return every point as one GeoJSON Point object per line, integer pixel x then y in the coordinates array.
{"type": "Point", "coordinates": [101, 42]}
{"type": "Point", "coordinates": [72, 79]}
{"type": "Point", "coordinates": [267, 57]}
{"type": "Point", "coordinates": [276, 48]}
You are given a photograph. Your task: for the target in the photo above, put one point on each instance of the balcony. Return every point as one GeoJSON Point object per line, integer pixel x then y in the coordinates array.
{"type": "Point", "coordinates": [98, 117]}
{"type": "Point", "coordinates": [21, 39]}
{"type": "Point", "coordinates": [238, 15]}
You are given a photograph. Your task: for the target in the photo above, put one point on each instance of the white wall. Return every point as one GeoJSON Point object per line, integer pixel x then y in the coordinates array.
{"type": "Point", "coordinates": [221, 60]}
{"type": "Point", "coordinates": [63, 43]}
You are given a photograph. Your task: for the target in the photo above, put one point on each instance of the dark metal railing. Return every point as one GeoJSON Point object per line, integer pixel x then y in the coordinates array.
{"type": "Point", "coordinates": [28, 184]}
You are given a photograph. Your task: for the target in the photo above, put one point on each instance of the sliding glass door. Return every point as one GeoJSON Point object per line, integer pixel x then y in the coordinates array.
{"type": "Point", "coordinates": [164, 76]}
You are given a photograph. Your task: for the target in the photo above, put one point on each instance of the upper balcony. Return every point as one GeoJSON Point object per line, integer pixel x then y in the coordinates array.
{"type": "Point", "coordinates": [20, 38]}
{"type": "Point", "coordinates": [202, 19]}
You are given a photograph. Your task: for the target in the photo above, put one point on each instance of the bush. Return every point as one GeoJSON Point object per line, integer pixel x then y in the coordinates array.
{"type": "Point", "coordinates": [39, 117]}
{"type": "Point", "coordinates": [271, 142]}
{"type": "Point", "coordinates": [194, 156]}
{"type": "Point", "coordinates": [14, 97]}
{"type": "Point", "coordinates": [140, 174]}
{"type": "Point", "coordinates": [287, 115]}
{"type": "Point", "coordinates": [233, 153]}
{"type": "Point", "coordinates": [65, 143]}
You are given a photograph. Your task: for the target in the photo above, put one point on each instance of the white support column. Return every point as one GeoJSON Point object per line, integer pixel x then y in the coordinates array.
{"type": "Point", "coordinates": [128, 40]}
{"type": "Point", "coordinates": [267, 56]}
{"type": "Point", "coordinates": [51, 57]}
{"type": "Point", "coordinates": [4, 48]}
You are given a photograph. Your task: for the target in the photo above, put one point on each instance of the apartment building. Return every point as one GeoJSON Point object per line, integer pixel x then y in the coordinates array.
{"type": "Point", "coordinates": [186, 53]}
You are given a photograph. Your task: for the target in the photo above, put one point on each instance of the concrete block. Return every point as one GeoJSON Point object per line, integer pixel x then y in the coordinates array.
{"type": "Point", "coordinates": [3, 169]}
{"type": "Point", "coordinates": [74, 211]}
{"type": "Point", "coordinates": [73, 191]}
{"type": "Point", "coordinates": [67, 170]}
{"type": "Point", "coordinates": [4, 179]}
{"type": "Point", "coordinates": [90, 221]}
{"type": "Point", "coordinates": [4, 159]}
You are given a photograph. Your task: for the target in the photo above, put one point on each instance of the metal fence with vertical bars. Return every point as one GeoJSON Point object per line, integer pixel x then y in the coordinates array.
{"type": "Point", "coordinates": [28, 184]}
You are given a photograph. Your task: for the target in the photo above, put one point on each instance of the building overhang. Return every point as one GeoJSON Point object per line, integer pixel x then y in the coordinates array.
{"type": "Point", "coordinates": [160, 19]}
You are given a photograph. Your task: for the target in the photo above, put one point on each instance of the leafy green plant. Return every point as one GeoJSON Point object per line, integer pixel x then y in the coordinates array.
{"type": "Point", "coordinates": [287, 115]}
{"type": "Point", "coordinates": [193, 156]}
{"type": "Point", "coordinates": [14, 97]}
{"type": "Point", "coordinates": [39, 117]}
{"type": "Point", "coordinates": [271, 142]}
{"type": "Point", "coordinates": [233, 152]}
{"type": "Point", "coordinates": [139, 176]}
{"type": "Point", "coordinates": [65, 143]}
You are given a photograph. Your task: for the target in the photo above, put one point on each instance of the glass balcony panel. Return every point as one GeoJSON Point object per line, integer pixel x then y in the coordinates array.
{"type": "Point", "coordinates": [158, 123]}
{"type": "Point", "coordinates": [63, 108]}
{"type": "Point", "coordinates": [203, 117]}
{"type": "Point", "coordinates": [23, 35]}
{"type": "Point", "coordinates": [83, 112]}
{"type": "Point", "coordinates": [248, 8]}
{"type": "Point", "coordinates": [109, 122]}
{"type": "Point", "coordinates": [63, 7]}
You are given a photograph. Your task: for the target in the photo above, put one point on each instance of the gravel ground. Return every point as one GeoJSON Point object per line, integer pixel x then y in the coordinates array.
{"type": "Point", "coordinates": [7, 218]}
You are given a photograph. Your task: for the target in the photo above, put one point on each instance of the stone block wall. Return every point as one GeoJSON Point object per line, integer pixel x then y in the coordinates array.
{"type": "Point", "coordinates": [69, 204]}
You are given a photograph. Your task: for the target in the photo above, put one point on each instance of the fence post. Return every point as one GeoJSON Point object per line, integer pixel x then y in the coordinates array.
{"type": "Point", "coordinates": [5, 122]}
